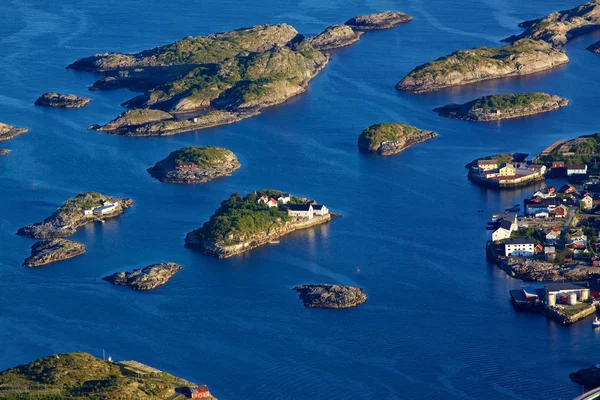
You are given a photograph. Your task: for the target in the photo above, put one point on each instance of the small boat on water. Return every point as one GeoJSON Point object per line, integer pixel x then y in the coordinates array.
{"type": "Point", "coordinates": [274, 242]}
{"type": "Point", "coordinates": [596, 323]}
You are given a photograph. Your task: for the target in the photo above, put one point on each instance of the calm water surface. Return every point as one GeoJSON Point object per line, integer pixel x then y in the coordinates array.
{"type": "Point", "coordinates": [438, 323]}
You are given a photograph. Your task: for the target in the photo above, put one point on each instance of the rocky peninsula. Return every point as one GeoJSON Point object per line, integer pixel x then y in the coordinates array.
{"type": "Point", "coordinates": [83, 376]}
{"type": "Point", "coordinates": [561, 26]}
{"type": "Point", "coordinates": [587, 377]}
{"type": "Point", "coordinates": [243, 223]}
{"type": "Point", "coordinates": [503, 106]}
{"type": "Point", "coordinates": [216, 79]}
{"type": "Point", "coordinates": [334, 37]}
{"type": "Point", "coordinates": [195, 164]}
{"type": "Point", "coordinates": [9, 132]}
{"type": "Point", "coordinates": [390, 138]}
{"type": "Point", "coordinates": [384, 20]}
{"type": "Point", "coordinates": [52, 250]}
{"type": "Point", "coordinates": [463, 67]}
{"type": "Point", "coordinates": [330, 296]}
{"type": "Point", "coordinates": [52, 99]}
{"type": "Point", "coordinates": [77, 211]}
{"type": "Point", "coordinates": [148, 278]}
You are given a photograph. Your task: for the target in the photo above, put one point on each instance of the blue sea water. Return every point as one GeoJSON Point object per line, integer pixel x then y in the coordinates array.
{"type": "Point", "coordinates": [437, 324]}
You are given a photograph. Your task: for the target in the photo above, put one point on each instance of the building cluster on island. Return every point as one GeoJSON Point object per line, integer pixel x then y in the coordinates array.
{"type": "Point", "coordinates": [107, 207]}
{"type": "Point", "coordinates": [308, 210]}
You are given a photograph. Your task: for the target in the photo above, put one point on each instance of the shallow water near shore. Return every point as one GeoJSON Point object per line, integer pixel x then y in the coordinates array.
{"type": "Point", "coordinates": [438, 322]}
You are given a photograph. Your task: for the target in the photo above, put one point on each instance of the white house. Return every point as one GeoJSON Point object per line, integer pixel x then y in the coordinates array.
{"type": "Point", "coordinates": [576, 169]}
{"type": "Point", "coordinates": [271, 202]}
{"type": "Point", "coordinates": [487, 165]}
{"type": "Point", "coordinates": [300, 210]}
{"type": "Point", "coordinates": [88, 212]}
{"type": "Point", "coordinates": [520, 247]}
{"type": "Point", "coordinates": [549, 253]}
{"type": "Point", "coordinates": [263, 199]}
{"type": "Point", "coordinates": [284, 198]}
{"type": "Point", "coordinates": [552, 236]}
{"type": "Point", "coordinates": [319, 209]}
{"type": "Point", "coordinates": [107, 208]}
{"type": "Point", "coordinates": [541, 169]}
{"type": "Point", "coordinates": [504, 230]}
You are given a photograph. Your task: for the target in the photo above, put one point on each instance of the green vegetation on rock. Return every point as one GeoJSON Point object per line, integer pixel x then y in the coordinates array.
{"type": "Point", "coordinates": [581, 150]}
{"type": "Point", "coordinates": [82, 376]}
{"type": "Point", "coordinates": [502, 102]}
{"type": "Point", "coordinates": [239, 218]}
{"type": "Point", "coordinates": [377, 134]}
{"type": "Point", "coordinates": [203, 157]}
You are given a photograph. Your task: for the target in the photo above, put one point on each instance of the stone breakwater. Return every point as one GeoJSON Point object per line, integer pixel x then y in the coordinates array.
{"type": "Point", "coordinates": [557, 315]}
{"type": "Point", "coordinates": [226, 251]}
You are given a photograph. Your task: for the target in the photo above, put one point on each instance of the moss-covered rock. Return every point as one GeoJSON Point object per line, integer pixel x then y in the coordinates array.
{"type": "Point", "coordinates": [384, 20]}
{"type": "Point", "coordinates": [390, 138]}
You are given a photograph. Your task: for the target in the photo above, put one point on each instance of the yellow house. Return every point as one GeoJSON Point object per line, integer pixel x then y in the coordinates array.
{"type": "Point", "coordinates": [506, 170]}
{"type": "Point", "coordinates": [587, 203]}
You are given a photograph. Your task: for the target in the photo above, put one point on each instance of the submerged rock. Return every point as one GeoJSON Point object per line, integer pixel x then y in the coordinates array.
{"type": "Point", "coordinates": [334, 37]}
{"type": "Point", "coordinates": [390, 138]}
{"type": "Point", "coordinates": [148, 278]}
{"type": "Point", "coordinates": [195, 164]}
{"type": "Point", "coordinates": [503, 106]}
{"type": "Point", "coordinates": [9, 132]}
{"type": "Point", "coordinates": [331, 296]}
{"type": "Point", "coordinates": [384, 20]}
{"type": "Point", "coordinates": [52, 250]}
{"type": "Point", "coordinates": [52, 99]}
{"type": "Point", "coordinates": [77, 211]}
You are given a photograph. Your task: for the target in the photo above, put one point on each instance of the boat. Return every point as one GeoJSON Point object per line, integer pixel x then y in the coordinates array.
{"type": "Point", "coordinates": [596, 323]}
{"type": "Point", "coordinates": [274, 242]}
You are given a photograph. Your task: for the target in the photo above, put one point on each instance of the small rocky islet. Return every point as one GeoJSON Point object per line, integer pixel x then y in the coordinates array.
{"type": "Point", "coordinates": [4, 152]}
{"type": "Point", "coordinates": [587, 377]}
{"type": "Point", "coordinates": [52, 99]}
{"type": "Point", "coordinates": [522, 57]}
{"type": "Point", "coordinates": [195, 164]}
{"type": "Point", "coordinates": [77, 211]}
{"type": "Point", "coordinates": [503, 106]}
{"type": "Point", "coordinates": [243, 223]}
{"type": "Point", "coordinates": [53, 250]}
{"type": "Point", "coordinates": [147, 278]}
{"type": "Point", "coordinates": [8, 131]}
{"type": "Point", "coordinates": [220, 78]}
{"type": "Point", "coordinates": [331, 296]}
{"type": "Point", "coordinates": [390, 138]}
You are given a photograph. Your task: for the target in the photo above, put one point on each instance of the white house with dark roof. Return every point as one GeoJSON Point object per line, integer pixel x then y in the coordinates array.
{"type": "Point", "coordinates": [577, 169]}
{"type": "Point", "coordinates": [284, 198]}
{"type": "Point", "coordinates": [320, 209]}
{"type": "Point", "coordinates": [519, 247]}
{"type": "Point", "coordinates": [504, 230]}
{"type": "Point", "coordinates": [300, 210]}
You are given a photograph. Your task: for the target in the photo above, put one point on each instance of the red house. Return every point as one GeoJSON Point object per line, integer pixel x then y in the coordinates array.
{"type": "Point", "coordinates": [538, 248]}
{"type": "Point", "coordinates": [199, 392]}
{"type": "Point", "coordinates": [558, 164]}
{"type": "Point", "coordinates": [186, 166]}
{"type": "Point", "coordinates": [560, 212]}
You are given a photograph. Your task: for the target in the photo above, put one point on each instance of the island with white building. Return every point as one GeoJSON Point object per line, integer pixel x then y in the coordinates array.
{"type": "Point", "coordinates": [243, 223]}
{"type": "Point", "coordinates": [77, 211]}
{"type": "Point", "coordinates": [505, 171]}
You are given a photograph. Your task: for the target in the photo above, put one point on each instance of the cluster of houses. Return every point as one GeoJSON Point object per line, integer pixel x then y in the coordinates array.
{"type": "Point", "coordinates": [506, 174]}
{"type": "Point", "coordinates": [108, 207]}
{"type": "Point", "coordinates": [550, 202]}
{"type": "Point", "coordinates": [307, 210]}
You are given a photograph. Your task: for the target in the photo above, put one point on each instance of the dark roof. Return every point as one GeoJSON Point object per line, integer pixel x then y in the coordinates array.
{"type": "Point", "coordinates": [555, 287]}
{"type": "Point", "coordinates": [317, 206]}
{"type": "Point", "coordinates": [487, 162]}
{"type": "Point", "coordinates": [519, 241]}
{"type": "Point", "coordinates": [504, 224]}
{"type": "Point", "coordinates": [299, 207]}
{"type": "Point", "coordinates": [576, 166]}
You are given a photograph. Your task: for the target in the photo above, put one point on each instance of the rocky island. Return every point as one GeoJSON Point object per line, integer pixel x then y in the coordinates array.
{"type": "Point", "coordinates": [148, 278]}
{"type": "Point", "coordinates": [4, 152]}
{"type": "Point", "coordinates": [463, 67]}
{"type": "Point", "coordinates": [384, 20]}
{"type": "Point", "coordinates": [502, 106]}
{"type": "Point", "coordinates": [52, 99]}
{"type": "Point", "coordinates": [587, 377]}
{"type": "Point", "coordinates": [9, 132]}
{"type": "Point", "coordinates": [244, 223]}
{"type": "Point", "coordinates": [560, 27]}
{"type": "Point", "coordinates": [214, 80]}
{"type": "Point", "coordinates": [334, 37]}
{"type": "Point", "coordinates": [77, 211]}
{"type": "Point", "coordinates": [330, 296]}
{"type": "Point", "coordinates": [195, 164]}
{"type": "Point", "coordinates": [81, 376]}
{"type": "Point", "coordinates": [52, 250]}
{"type": "Point", "coordinates": [390, 138]}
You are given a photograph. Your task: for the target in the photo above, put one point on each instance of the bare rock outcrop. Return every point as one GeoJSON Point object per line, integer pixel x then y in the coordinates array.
{"type": "Point", "coordinates": [52, 250]}
{"type": "Point", "coordinates": [9, 132]}
{"type": "Point", "coordinates": [148, 278]}
{"type": "Point", "coordinates": [331, 296]}
{"type": "Point", "coordinates": [384, 20]}
{"type": "Point", "coordinates": [52, 99]}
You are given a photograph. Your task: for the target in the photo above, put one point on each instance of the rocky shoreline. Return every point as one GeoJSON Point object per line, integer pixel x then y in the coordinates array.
{"type": "Point", "coordinates": [52, 99]}
{"type": "Point", "coordinates": [76, 212]}
{"type": "Point", "coordinates": [204, 165]}
{"type": "Point", "coordinates": [330, 296]}
{"type": "Point", "coordinates": [8, 132]}
{"type": "Point", "coordinates": [523, 57]}
{"type": "Point", "coordinates": [209, 247]}
{"type": "Point", "coordinates": [391, 138]}
{"type": "Point", "coordinates": [53, 250]}
{"type": "Point", "coordinates": [148, 278]}
{"type": "Point", "coordinates": [473, 111]}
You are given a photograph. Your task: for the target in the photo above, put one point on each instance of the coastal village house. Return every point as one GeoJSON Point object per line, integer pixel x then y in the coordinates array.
{"type": "Point", "coordinates": [300, 210]}
{"type": "Point", "coordinates": [487, 165]}
{"type": "Point", "coordinates": [579, 169]}
{"type": "Point", "coordinates": [269, 201]}
{"type": "Point", "coordinates": [320, 209]}
{"type": "Point", "coordinates": [308, 210]}
{"type": "Point", "coordinates": [549, 253]}
{"type": "Point", "coordinates": [284, 198]}
{"type": "Point", "coordinates": [502, 226]}
{"type": "Point", "coordinates": [198, 392]}
{"type": "Point", "coordinates": [586, 203]}
{"type": "Point", "coordinates": [552, 236]}
{"type": "Point", "coordinates": [505, 174]}
{"type": "Point", "coordinates": [106, 208]}
{"type": "Point", "coordinates": [520, 247]}
{"type": "Point", "coordinates": [540, 169]}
